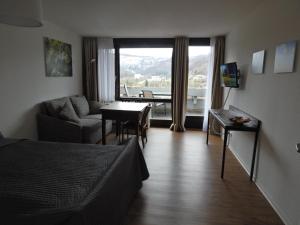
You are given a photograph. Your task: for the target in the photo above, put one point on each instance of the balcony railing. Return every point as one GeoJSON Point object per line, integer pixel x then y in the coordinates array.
{"type": "Point", "coordinates": [161, 101]}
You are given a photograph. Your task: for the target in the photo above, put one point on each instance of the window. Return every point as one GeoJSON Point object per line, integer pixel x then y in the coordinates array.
{"type": "Point", "coordinates": [145, 72]}
{"type": "Point", "coordinates": [199, 59]}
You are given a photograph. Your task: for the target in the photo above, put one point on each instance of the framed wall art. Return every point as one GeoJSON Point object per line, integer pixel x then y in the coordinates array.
{"type": "Point", "coordinates": [58, 58]}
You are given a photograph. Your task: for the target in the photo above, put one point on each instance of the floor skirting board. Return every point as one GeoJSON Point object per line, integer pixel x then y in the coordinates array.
{"type": "Point", "coordinates": [277, 209]}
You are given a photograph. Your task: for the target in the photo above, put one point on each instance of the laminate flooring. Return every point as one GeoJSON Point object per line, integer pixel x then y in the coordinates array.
{"type": "Point", "coordinates": [185, 187]}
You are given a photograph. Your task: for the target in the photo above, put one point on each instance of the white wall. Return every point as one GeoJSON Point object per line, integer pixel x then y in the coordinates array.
{"type": "Point", "coordinates": [273, 98]}
{"type": "Point", "coordinates": [23, 83]}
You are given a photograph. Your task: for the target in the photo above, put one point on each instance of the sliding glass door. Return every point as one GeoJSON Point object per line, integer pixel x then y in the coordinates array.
{"type": "Point", "coordinates": [147, 73]}
{"type": "Point", "coordinates": [199, 62]}
{"type": "Point", "coordinates": [144, 73]}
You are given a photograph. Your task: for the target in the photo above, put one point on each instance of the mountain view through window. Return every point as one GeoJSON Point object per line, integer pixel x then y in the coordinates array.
{"type": "Point", "coordinates": [147, 72]}
{"type": "Point", "coordinates": [145, 69]}
{"type": "Point", "coordinates": [199, 59]}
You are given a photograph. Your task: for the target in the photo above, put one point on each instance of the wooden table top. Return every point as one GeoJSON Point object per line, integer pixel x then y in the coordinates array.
{"type": "Point", "coordinates": [125, 106]}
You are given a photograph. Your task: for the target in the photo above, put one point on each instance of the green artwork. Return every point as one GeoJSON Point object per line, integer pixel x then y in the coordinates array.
{"type": "Point", "coordinates": [58, 58]}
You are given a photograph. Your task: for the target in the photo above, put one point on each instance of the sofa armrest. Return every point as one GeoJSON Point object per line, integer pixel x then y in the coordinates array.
{"type": "Point", "coordinates": [95, 107]}
{"type": "Point", "coordinates": [54, 129]}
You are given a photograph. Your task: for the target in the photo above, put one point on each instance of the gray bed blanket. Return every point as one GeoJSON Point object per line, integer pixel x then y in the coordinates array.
{"type": "Point", "coordinates": [64, 183]}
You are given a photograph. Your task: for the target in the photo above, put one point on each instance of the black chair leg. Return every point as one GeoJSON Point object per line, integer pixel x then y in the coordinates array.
{"type": "Point", "coordinates": [119, 135]}
{"type": "Point", "coordinates": [143, 141]}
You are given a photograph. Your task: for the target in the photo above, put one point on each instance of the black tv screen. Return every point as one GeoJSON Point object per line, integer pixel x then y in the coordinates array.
{"type": "Point", "coordinates": [229, 75]}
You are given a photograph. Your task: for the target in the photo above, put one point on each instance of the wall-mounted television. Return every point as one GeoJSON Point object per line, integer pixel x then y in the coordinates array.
{"type": "Point", "coordinates": [230, 75]}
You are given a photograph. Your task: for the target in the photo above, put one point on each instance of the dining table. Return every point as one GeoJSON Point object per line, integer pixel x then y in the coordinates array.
{"type": "Point", "coordinates": [120, 112]}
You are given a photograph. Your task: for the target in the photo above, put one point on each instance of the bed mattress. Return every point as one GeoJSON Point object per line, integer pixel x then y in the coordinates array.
{"type": "Point", "coordinates": [63, 183]}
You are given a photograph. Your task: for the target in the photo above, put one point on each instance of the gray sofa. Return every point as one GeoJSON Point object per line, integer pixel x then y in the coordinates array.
{"type": "Point", "coordinates": [71, 119]}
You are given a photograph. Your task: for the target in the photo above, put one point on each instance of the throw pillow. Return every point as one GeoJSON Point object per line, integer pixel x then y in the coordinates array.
{"type": "Point", "coordinates": [1, 136]}
{"type": "Point", "coordinates": [54, 106]}
{"type": "Point", "coordinates": [68, 113]}
{"type": "Point", "coordinates": [95, 107]}
{"type": "Point", "coordinates": [81, 105]}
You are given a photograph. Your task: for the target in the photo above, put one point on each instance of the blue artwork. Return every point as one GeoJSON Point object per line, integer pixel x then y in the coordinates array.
{"type": "Point", "coordinates": [285, 57]}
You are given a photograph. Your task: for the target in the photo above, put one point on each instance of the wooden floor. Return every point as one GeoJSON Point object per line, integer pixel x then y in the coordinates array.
{"type": "Point", "coordinates": [185, 187]}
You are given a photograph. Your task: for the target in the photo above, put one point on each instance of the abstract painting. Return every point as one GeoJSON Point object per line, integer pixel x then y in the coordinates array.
{"type": "Point", "coordinates": [58, 58]}
{"type": "Point", "coordinates": [258, 62]}
{"type": "Point", "coordinates": [285, 57]}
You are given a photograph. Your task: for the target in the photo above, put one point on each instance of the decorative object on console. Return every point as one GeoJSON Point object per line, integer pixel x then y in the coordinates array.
{"type": "Point", "coordinates": [239, 120]}
{"type": "Point", "coordinates": [21, 13]}
{"type": "Point", "coordinates": [285, 57]}
{"type": "Point", "coordinates": [58, 58]}
{"type": "Point", "coordinates": [258, 60]}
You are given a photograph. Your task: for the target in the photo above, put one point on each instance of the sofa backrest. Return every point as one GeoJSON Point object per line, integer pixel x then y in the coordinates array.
{"type": "Point", "coordinates": [54, 106]}
{"type": "Point", "coordinates": [81, 105]}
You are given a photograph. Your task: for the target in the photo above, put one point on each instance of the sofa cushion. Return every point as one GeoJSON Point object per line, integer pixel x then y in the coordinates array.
{"type": "Point", "coordinates": [93, 116]}
{"type": "Point", "coordinates": [1, 136]}
{"type": "Point", "coordinates": [68, 113]}
{"type": "Point", "coordinates": [92, 130]}
{"type": "Point", "coordinates": [95, 107]}
{"type": "Point", "coordinates": [81, 105]}
{"type": "Point", "coordinates": [54, 106]}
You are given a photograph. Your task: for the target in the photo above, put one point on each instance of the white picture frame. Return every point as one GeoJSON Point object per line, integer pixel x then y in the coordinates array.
{"type": "Point", "coordinates": [258, 62]}
{"type": "Point", "coordinates": [285, 57]}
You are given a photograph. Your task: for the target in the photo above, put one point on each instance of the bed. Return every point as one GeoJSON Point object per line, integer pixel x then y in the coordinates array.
{"type": "Point", "coordinates": [70, 184]}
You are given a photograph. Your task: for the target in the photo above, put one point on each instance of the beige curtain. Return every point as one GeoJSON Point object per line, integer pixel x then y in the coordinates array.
{"type": "Point", "coordinates": [217, 90]}
{"type": "Point", "coordinates": [89, 69]}
{"type": "Point", "coordinates": [180, 82]}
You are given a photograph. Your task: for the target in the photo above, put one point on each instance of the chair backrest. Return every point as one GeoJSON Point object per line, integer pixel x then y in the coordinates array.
{"type": "Point", "coordinates": [145, 115]}
{"type": "Point", "coordinates": [124, 91]}
{"type": "Point", "coordinates": [147, 94]}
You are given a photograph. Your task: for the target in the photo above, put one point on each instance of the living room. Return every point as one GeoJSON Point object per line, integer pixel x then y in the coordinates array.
{"type": "Point", "coordinates": [247, 28]}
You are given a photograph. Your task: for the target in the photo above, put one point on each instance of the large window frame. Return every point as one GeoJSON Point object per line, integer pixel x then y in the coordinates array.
{"type": "Point", "coordinates": [152, 43]}
{"type": "Point", "coordinates": [139, 43]}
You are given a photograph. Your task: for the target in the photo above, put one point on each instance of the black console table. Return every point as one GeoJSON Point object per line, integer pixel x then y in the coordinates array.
{"type": "Point", "coordinates": [222, 117]}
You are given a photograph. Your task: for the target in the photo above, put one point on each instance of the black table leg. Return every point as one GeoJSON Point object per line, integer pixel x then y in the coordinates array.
{"type": "Point", "coordinates": [103, 131]}
{"type": "Point", "coordinates": [224, 152]}
{"type": "Point", "coordinates": [254, 155]}
{"type": "Point", "coordinates": [117, 128]}
{"type": "Point", "coordinates": [207, 134]}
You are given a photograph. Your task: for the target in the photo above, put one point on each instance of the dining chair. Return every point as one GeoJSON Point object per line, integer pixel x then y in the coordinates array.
{"type": "Point", "coordinates": [149, 94]}
{"type": "Point", "coordinates": [143, 126]}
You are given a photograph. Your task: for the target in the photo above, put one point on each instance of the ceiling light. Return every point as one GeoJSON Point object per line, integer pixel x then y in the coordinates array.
{"type": "Point", "coordinates": [21, 13]}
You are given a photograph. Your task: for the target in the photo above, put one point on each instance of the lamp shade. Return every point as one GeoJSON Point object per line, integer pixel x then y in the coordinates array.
{"type": "Point", "coordinates": [22, 13]}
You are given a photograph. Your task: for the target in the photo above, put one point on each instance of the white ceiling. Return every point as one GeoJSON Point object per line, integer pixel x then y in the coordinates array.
{"type": "Point", "coordinates": [148, 18]}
